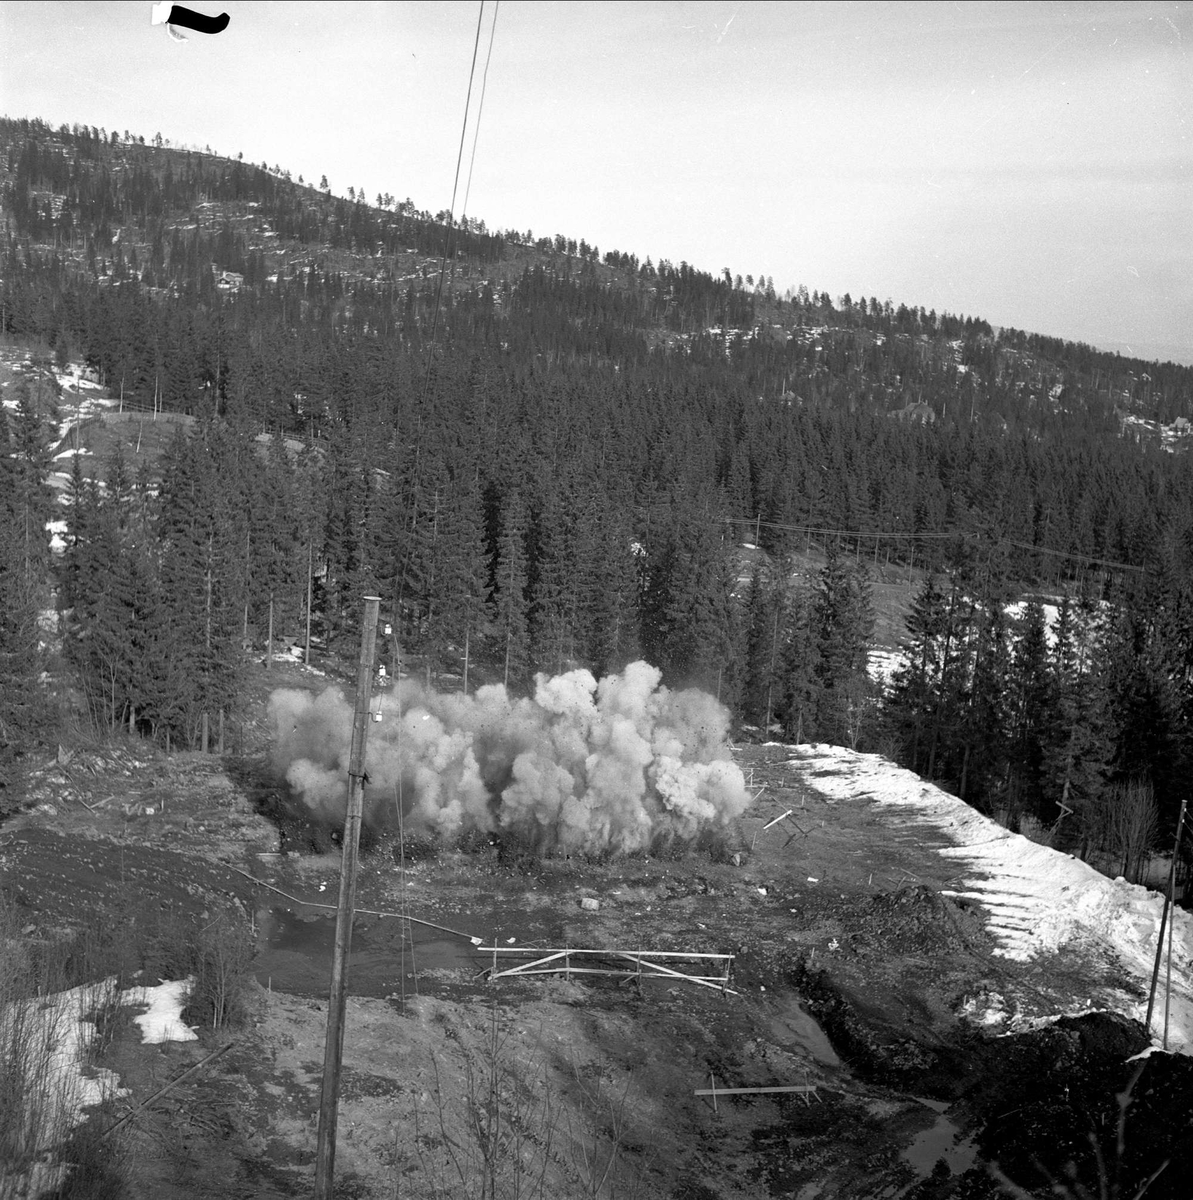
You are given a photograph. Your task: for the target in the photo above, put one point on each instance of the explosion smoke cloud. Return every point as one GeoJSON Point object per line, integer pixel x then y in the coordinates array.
{"type": "Point", "coordinates": [582, 767]}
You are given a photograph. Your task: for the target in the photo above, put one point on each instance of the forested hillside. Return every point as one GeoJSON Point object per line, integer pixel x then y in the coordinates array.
{"type": "Point", "coordinates": [543, 455]}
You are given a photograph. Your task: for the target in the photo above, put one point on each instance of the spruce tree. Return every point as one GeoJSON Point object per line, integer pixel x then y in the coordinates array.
{"type": "Point", "coordinates": [1031, 702]}
{"type": "Point", "coordinates": [956, 669]}
{"type": "Point", "coordinates": [460, 607]}
{"type": "Point", "coordinates": [1077, 757]}
{"type": "Point", "coordinates": [30, 503]}
{"type": "Point", "coordinates": [799, 689]}
{"type": "Point", "coordinates": [762, 646]}
{"type": "Point", "coordinates": [511, 626]}
{"type": "Point", "coordinates": [203, 575]}
{"type": "Point", "coordinates": [609, 565]}
{"type": "Point", "coordinates": [982, 732]}
{"type": "Point", "coordinates": [690, 620]}
{"type": "Point", "coordinates": [843, 619]}
{"type": "Point", "coordinates": [554, 587]}
{"type": "Point", "coordinates": [912, 701]}
{"type": "Point", "coordinates": [24, 709]}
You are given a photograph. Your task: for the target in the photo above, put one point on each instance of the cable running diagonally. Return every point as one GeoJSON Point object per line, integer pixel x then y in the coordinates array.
{"type": "Point", "coordinates": [451, 215]}
{"type": "Point", "coordinates": [447, 246]}
{"type": "Point", "coordinates": [480, 108]}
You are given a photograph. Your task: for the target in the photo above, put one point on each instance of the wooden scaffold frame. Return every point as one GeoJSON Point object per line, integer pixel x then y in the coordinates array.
{"type": "Point", "coordinates": [627, 964]}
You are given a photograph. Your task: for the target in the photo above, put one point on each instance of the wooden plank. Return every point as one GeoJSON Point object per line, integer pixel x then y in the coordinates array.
{"type": "Point", "coordinates": [161, 1091]}
{"type": "Point", "coordinates": [667, 972]}
{"type": "Point", "coordinates": [798, 1088]}
{"type": "Point", "coordinates": [648, 962]}
{"type": "Point", "coordinates": [716, 982]}
{"type": "Point", "coordinates": [575, 971]}
{"type": "Point", "coordinates": [517, 972]}
{"type": "Point", "coordinates": [645, 954]}
{"type": "Point", "coordinates": [554, 957]}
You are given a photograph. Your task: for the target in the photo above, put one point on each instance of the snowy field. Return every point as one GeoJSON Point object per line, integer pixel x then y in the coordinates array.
{"type": "Point", "coordinates": [1037, 900]}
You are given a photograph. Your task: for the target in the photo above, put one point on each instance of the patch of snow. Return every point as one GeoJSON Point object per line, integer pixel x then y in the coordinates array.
{"type": "Point", "coordinates": [162, 1022]}
{"type": "Point", "coordinates": [1051, 616]}
{"type": "Point", "coordinates": [57, 531]}
{"type": "Point", "coordinates": [1037, 900]}
{"type": "Point", "coordinates": [78, 409]}
{"type": "Point", "coordinates": [881, 665]}
{"type": "Point", "coordinates": [78, 377]}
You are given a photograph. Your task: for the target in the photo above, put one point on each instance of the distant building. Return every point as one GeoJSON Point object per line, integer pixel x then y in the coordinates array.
{"type": "Point", "coordinates": [227, 281]}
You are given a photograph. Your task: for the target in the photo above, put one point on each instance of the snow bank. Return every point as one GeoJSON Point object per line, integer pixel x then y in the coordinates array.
{"type": "Point", "coordinates": [53, 1036]}
{"type": "Point", "coordinates": [67, 1035]}
{"type": "Point", "coordinates": [48, 1040]}
{"type": "Point", "coordinates": [1038, 900]}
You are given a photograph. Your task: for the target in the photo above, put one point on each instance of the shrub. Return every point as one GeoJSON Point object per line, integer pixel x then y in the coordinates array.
{"type": "Point", "coordinates": [222, 969]}
{"type": "Point", "coordinates": [44, 1040]}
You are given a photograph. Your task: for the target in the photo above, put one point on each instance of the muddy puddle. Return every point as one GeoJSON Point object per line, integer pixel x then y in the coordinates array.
{"type": "Point", "coordinates": [389, 956]}
{"type": "Point", "coordinates": [941, 1142]}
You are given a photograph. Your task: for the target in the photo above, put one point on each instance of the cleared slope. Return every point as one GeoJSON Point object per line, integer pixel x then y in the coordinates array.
{"type": "Point", "coordinates": [1037, 901]}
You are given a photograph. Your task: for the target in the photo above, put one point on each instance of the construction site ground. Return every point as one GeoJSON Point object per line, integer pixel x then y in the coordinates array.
{"type": "Point", "coordinates": [855, 983]}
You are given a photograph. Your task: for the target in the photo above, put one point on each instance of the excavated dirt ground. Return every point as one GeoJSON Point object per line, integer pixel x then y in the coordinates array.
{"type": "Point", "coordinates": [852, 977]}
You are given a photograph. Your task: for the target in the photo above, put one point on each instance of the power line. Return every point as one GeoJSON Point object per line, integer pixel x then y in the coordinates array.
{"type": "Point", "coordinates": [958, 535]}
{"type": "Point", "coordinates": [753, 522]}
{"type": "Point", "coordinates": [447, 245]}
{"type": "Point", "coordinates": [451, 213]}
{"type": "Point", "coordinates": [480, 108]}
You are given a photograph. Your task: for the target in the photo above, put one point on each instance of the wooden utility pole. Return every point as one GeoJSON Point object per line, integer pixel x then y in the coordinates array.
{"type": "Point", "coordinates": [1169, 903]}
{"type": "Point", "coordinates": [325, 1152]}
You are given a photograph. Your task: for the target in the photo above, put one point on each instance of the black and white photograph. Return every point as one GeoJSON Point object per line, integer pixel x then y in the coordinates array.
{"type": "Point", "coordinates": [596, 600]}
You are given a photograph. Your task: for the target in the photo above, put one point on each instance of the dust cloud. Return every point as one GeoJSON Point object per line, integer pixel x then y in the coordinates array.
{"type": "Point", "coordinates": [620, 765]}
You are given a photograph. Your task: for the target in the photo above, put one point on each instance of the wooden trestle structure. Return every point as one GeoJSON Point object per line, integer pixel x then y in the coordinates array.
{"type": "Point", "coordinates": [617, 964]}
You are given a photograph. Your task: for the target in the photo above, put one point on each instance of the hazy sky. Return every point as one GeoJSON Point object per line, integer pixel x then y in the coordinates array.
{"type": "Point", "coordinates": [1031, 163]}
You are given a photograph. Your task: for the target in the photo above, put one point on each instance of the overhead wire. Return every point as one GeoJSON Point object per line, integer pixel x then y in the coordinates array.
{"type": "Point", "coordinates": [451, 212]}
{"type": "Point", "coordinates": [480, 108]}
{"type": "Point", "coordinates": [448, 241]}
{"type": "Point", "coordinates": [900, 535]}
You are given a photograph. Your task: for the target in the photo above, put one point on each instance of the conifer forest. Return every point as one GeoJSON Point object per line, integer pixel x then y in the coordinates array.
{"type": "Point", "coordinates": [544, 455]}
